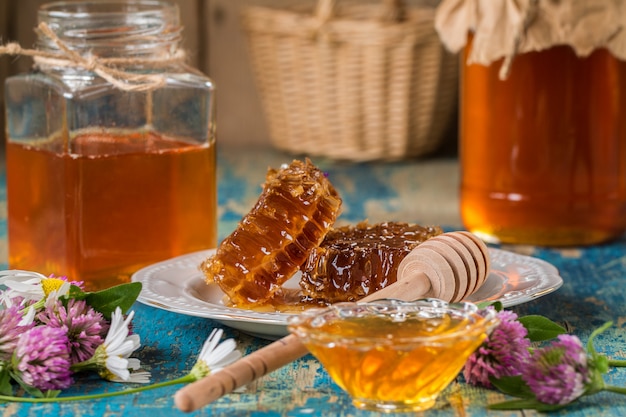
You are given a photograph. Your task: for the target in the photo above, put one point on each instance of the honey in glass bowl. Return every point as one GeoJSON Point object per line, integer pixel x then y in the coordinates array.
{"type": "Point", "coordinates": [393, 356]}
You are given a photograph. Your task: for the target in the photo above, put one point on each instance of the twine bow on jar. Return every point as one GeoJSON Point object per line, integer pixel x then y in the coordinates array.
{"type": "Point", "coordinates": [103, 67]}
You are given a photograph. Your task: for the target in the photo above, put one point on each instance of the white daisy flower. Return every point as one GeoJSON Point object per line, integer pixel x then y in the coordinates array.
{"type": "Point", "coordinates": [133, 364]}
{"type": "Point", "coordinates": [141, 377]}
{"type": "Point", "coordinates": [112, 356]}
{"type": "Point", "coordinates": [30, 286]}
{"type": "Point", "coordinates": [28, 317]}
{"type": "Point", "coordinates": [20, 275]}
{"type": "Point", "coordinates": [214, 356]}
{"type": "Point", "coordinates": [17, 283]}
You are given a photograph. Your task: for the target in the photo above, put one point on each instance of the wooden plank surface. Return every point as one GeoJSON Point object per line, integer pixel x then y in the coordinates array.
{"type": "Point", "coordinates": [591, 295]}
{"type": "Point", "coordinates": [422, 191]}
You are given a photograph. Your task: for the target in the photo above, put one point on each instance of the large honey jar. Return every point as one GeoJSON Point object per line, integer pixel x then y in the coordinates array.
{"type": "Point", "coordinates": [110, 145]}
{"type": "Point", "coordinates": [542, 127]}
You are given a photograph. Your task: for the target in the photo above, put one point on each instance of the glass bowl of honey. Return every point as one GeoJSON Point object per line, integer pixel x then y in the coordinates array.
{"type": "Point", "coordinates": [390, 355]}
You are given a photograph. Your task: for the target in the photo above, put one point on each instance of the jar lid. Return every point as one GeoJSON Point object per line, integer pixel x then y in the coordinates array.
{"type": "Point", "coordinates": [504, 28]}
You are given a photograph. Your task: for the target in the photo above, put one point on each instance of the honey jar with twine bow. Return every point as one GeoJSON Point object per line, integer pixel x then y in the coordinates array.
{"type": "Point", "coordinates": [543, 126]}
{"type": "Point", "coordinates": [111, 155]}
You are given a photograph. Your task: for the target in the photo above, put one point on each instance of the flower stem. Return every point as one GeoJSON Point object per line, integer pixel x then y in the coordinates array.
{"type": "Point", "coordinates": [617, 362]}
{"type": "Point", "coordinates": [612, 388]}
{"type": "Point", "coordinates": [182, 380]}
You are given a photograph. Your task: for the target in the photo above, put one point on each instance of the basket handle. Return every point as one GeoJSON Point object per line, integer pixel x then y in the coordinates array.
{"type": "Point", "coordinates": [392, 11]}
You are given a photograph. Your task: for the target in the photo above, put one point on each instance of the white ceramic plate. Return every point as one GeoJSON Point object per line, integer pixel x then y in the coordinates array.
{"type": "Point", "coordinates": [177, 285]}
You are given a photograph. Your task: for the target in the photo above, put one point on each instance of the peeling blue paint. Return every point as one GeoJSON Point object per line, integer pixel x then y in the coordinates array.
{"type": "Point", "coordinates": [593, 292]}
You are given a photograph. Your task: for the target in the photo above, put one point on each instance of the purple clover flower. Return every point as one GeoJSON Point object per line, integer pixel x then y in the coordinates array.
{"type": "Point", "coordinates": [42, 358]}
{"type": "Point", "coordinates": [10, 331]}
{"type": "Point", "coordinates": [504, 353]}
{"type": "Point", "coordinates": [558, 373]}
{"type": "Point", "coordinates": [85, 326]}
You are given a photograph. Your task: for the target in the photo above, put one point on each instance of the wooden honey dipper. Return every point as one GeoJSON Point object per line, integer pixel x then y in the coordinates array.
{"type": "Point", "coordinates": [450, 267]}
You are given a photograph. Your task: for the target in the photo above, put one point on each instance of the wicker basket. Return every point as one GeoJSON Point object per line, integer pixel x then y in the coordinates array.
{"type": "Point", "coordinates": [352, 81]}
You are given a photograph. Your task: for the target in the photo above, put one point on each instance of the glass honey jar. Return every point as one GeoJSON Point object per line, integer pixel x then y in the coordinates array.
{"type": "Point", "coordinates": [111, 152]}
{"type": "Point", "coordinates": [543, 144]}
{"type": "Point", "coordinates": [543, 153]}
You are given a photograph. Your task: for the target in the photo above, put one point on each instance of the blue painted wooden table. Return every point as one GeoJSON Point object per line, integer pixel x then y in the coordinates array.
{"type": "Point", "coordinates": [421, 191]}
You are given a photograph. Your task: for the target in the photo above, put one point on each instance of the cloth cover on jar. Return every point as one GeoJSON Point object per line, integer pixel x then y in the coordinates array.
{"type": "Point", "coordinates": [505, 28]}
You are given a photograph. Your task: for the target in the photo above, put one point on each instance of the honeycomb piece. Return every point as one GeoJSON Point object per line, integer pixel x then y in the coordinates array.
{"type": "Point", "coordinates": [297, 207]}
{"type": "Point", "coordinates": [354, 261]}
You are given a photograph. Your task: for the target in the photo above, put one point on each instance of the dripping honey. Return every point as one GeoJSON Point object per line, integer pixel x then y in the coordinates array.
{"type": "Point", "coordinates": [113, 204]}
{"type": "Point", "coordinates": [393, 365]}
{"type": "Point", "coordinates": [543, 153]}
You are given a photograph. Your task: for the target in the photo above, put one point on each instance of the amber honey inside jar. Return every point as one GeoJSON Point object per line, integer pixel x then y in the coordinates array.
{"type": "Point", "coordinates": [543, 152]}
{"type": "Point", "coordinates": [122, 219]}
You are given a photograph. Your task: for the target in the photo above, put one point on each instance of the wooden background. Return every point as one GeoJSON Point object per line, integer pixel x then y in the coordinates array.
{"type": "Point", "coordinates": [215, 44]}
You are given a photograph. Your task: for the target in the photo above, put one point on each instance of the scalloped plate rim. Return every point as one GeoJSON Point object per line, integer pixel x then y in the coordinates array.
{"type": "Point", "coordinates": [177, 284]}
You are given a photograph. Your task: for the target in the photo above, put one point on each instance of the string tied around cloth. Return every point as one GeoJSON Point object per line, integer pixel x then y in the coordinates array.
{"type": "Point", "coordinates": [103, 67]}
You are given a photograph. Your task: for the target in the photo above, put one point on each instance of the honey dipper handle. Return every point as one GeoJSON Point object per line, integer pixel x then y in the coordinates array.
{"type": "Point", "coordinates": [275, 355]}
{"type": "Point", "coordinates": [247, 369]}
{"type": "Point", "coordinates": [415, 287]}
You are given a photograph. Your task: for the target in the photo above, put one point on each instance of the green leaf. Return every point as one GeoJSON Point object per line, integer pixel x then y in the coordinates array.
{"type": "Point", "coordinates": [596, 384]}
{"type": "Point", "coordinates": [497, 305]}
{"type": "Point", "coordinates": [51, 393]}
{"type": "Point", "coordinates": [76, 293]}
{"type": "Point", "coordinates": [5, 383]}
{"type": "Point", "coordinates": [35, 392]}
{"type": "Point", "coordinates": [122, 296]}
{"type": "Point", "coordinates": [541, 328]}
{"type": "Point", "coordinates": [525, 404]}
{"type": "Point", "coordinates": [590, 349]}
{"type": "Point", "coordinates": [600, 363]}
{"type": "Point", "coordinates": [512, 385]}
